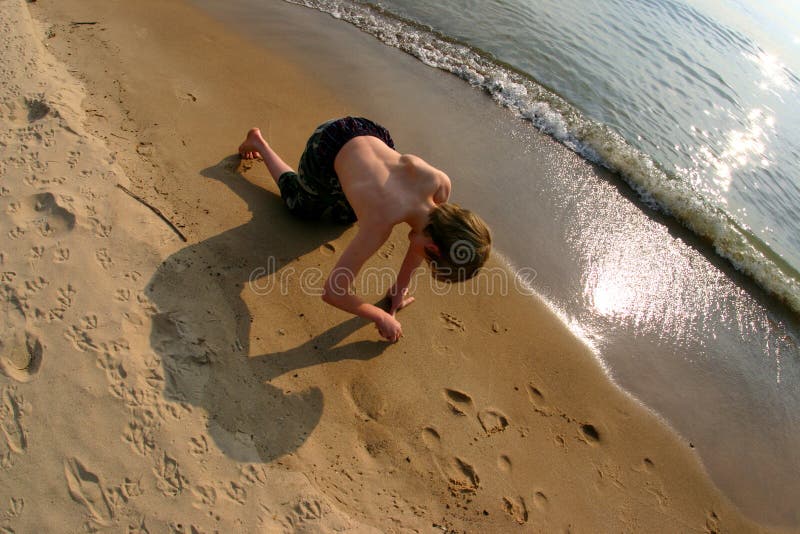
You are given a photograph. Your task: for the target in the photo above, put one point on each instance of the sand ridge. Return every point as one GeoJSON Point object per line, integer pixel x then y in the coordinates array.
{"type": "Point", "coordinates": [160, 386]}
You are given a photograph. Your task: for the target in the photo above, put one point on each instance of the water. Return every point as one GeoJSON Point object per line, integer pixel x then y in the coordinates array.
{"type": "Point", "coordinates": [690, 105]}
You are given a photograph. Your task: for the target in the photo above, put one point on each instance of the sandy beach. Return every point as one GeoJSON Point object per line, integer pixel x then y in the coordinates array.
{"type": "Point", "coordinates": [167, 362]}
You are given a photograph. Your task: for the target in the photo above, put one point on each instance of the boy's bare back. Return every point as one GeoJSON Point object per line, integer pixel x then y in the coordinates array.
{"type": "Point", "coordinates": [386, 188]}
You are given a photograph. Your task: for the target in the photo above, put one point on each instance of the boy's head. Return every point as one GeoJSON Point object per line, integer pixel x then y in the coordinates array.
{"type": "Point", "coordinates": [461, 243]}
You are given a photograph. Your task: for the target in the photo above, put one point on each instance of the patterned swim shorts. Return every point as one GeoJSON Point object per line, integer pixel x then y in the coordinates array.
{"type": "Point", "coordinates": [315, 189]}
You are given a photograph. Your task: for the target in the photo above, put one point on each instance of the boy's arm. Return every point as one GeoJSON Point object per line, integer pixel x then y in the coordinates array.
{"type": "Point", "coordinates": [337, 290]}
{"type": "Point", "coordinates": [398, 291]}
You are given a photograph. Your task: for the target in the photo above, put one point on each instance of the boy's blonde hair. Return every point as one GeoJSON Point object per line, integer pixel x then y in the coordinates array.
{"type": "Point", "coordinates": [463, 240]}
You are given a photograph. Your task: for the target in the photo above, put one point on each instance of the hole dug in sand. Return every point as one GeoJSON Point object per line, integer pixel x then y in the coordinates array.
{"type": "Point", "coordinates": [367, 399]}
{"type": "Point", "coordinates": [590, 433]}
{"type": "Point", "coordinates": [37, 108]}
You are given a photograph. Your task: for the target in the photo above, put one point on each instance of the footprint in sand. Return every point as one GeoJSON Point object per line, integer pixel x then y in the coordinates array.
{"type": "Point", "coordinates": [133, 276]}
{"type": "Point", "coordinates": [452, 322]}
{"type": "Point", "coordinates": [138, 528]}
{"type": "Point", "coordinates": [305, 514]}
{"type": "Point", "coordinates": [462, 477]}
{"type": "Point", "coordinates": [35, 253]}
{"type": "Point", "coordinates": [328, 249]}
{"type": "Point", "coordinates": [103, 258]}
{"type": "Point", "coordinates": [235, 492]}
{"type": "Point", "coordinates": [60, 254]}
{"type": "Point", "coordinates": [460, 403]}
{"type": "Point", "coordinates": [13, 207]}
{"type": "Point", "coordinates": [198, 446]}
{"type": "Point", "coordinates": [21, 357]}
{"type": "Point", "coordinates": [180, 528]}
{"type": "Point", "coordinates": [140, 437]}
{"type": "Point", "coordinates": [80, 339]}
{"type": "Point", "coordinates": [540, 500]}
{"type": "Point", "coordinates": [536, 396]}
{"type": "Point", "coordinates": [35, 285]}
{"type": "Point", "coordinates": [712, 523]}
{"type": "Point", "coordinates": [145, 148]}
{"type": "Point", "coordinates": [89, 322]}
{"type": "Point", "coordinates": [86, 489]}
{"type": "Point", "coordinates": [16, 507]}
{"type": "Point", "coordinates": [11, 424]}
{"type": "Point", "coordinates": [492, 421]}
{"type": "Point", "coordinates": [253, 475]}
{"type": "Point", "coordinates": [66, 296]}
{"type": "Point", "coordinates": [515, 507]}
{"type": "Point", "coordinates": [20, 350]}
{"type": "Point", "coordinates": [131, 488]}
{"type": "Point", "coordinates": [205, 494]}
{"type": "Point", "coordinates": [115, 372]}
{"type": "Point", "coordinates": [16, 233]}
{"type": "Point", "coordinates": [100, 229]}
{"type": "Point", "coordinates": [170, 480]}
{"type": "Point", "coordinates": [54, 218]}
{"type": "Point", "coordinates": [431, 439]}
{"type": "Point", "coordinates": [504, 464]}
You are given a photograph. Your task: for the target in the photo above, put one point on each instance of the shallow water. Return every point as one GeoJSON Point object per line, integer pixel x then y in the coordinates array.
{"type": "Point", "coordinates": [676, 325]}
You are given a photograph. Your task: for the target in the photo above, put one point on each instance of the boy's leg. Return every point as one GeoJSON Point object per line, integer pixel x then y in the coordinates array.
{"type": "Point", "coordinates": [254, 145]}
{"type": "Point", "coordinates": [295, 196]}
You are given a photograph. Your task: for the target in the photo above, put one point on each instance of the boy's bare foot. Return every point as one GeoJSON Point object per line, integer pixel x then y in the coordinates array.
{"type": "Point", "coordinates": [252, 145]}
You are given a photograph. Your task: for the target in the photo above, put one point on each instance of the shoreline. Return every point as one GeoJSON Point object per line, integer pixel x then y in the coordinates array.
{"type": "Point", "coordinates": [225, 409]}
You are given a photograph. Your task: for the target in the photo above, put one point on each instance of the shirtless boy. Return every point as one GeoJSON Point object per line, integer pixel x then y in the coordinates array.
{"type": "Point", "coordinates": [351, 170]}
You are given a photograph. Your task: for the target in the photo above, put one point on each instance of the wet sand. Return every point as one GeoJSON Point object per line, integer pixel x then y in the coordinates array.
{"type": "Point", "coordinates": [203, 386]}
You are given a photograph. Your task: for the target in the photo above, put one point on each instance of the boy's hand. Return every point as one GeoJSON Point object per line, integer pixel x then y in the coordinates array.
{"type": "Point", "coordinates": [389, 327]}
{"type": "Point", "coordinates": [398, 300]}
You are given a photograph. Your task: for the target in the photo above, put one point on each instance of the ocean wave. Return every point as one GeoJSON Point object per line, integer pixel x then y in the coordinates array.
{"type": "Point", "coordinates": [596, 142]}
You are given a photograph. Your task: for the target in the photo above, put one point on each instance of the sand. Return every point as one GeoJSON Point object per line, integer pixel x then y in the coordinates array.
{"type": "Point", "coordinates": [152, 384]}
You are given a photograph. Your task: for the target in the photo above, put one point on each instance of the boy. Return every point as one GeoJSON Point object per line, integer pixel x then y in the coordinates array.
{"type": "Point", "coordinates": [350, 168]}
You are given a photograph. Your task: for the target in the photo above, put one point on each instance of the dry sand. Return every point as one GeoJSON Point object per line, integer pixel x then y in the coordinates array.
{"type": "Point", "coordinates": [155, 385]}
